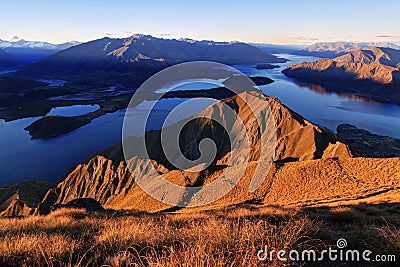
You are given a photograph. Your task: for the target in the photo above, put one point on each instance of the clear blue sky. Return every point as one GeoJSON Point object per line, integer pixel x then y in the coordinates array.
{"type": "Point", "coordinates": [301, 21]}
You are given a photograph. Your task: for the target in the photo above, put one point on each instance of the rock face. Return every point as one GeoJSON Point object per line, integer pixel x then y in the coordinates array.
{"type": "Point", "coordinates": [365, 144]}
{"type": "Point", "coordinates": [106, 179]}
{"type": "Point", "coordinates": [22, 199]}
{"type": "Point", "coordinates": [371, 73]}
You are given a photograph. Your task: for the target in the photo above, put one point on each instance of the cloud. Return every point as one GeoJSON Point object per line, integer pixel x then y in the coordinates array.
{"type": "Point", "coordinates": [127, 32]}
{"type": "Point", "coordinates": [106, 34]}
{"type": "Point", "coordinates": [164, 34]}
{"type": "Point", "coordinates": [387, 36]}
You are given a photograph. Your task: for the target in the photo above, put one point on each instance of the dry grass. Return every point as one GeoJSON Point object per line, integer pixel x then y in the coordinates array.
{"type": "Point", "coordinates": [228, 237]}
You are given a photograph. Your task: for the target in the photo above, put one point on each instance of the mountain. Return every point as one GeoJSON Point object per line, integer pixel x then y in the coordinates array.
{"type": "Point", "coordinates": [368, 72]}
{"type": "Point", "coordinates": [17, 42]}
{"type": "Point", "coordinates": [139, 54]}
{"type": "Point", "coordinates": [105, 177]}
{"type": "Point", "coordinates": [335, 49]}
{"type": "Point", "coordinates": [27, 52]}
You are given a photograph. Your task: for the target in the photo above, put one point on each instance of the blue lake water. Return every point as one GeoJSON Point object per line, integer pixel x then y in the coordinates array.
{"type": "Point", "coordinates": [50, 159]}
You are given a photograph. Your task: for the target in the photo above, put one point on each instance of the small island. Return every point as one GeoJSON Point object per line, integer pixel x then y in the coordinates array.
{"type": "Point", "coordinates": [266, 66]}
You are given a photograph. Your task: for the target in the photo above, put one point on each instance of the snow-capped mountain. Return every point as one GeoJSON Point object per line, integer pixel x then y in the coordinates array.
{"type": "Point", "coordinates": [17, 42]}
{"type": "Point", "coordinates": [26, 52]}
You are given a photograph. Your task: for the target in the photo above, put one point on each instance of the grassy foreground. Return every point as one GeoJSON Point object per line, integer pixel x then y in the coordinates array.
{"type": "Point", "coordinates": [228, 237]}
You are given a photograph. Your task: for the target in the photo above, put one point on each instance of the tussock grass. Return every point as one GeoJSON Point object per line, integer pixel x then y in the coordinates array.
{"type": "Point", "coordinates": [227, 237]}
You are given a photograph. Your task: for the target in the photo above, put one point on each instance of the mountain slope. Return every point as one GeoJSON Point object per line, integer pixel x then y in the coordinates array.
{"type": "Point", "coordinates": [139, 54]}
{"type": "Point", "coordinates": [106, 178]}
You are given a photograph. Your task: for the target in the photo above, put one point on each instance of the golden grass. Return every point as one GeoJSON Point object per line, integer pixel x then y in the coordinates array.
{"type": "Point", "coordinates": [228, 237]}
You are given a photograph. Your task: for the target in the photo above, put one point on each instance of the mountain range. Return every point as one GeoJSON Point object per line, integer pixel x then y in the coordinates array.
{"type": "Point", "coordinates": [140, 56]}
{"type": "Point", "coordinates": [372, 72]}
{"type": "Point", "coordinates": [335, 49]}
{"type": "Point", "coordinates": [17, 42]}
{"type": "Point", "coordinates": [26, 52]}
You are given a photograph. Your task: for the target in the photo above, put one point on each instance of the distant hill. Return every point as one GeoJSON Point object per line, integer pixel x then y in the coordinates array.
{"type": "Point", "coordinates": [27, 52]}
{"type": "Point", "coordinates": [372, 72]}
{"type": "Point", "coordinates": [140, 55]}
{"type": "Point", "coordinates": [335, 49]}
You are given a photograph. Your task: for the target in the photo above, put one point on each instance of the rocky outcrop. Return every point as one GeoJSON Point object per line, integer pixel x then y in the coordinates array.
{"type": "Point", "coordinates": [366, 144]}
{"type": "Point", "coordinates": [22, 199]}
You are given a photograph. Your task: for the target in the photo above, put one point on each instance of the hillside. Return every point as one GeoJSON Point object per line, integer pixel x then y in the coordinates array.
{"type": "Point", "coordinates": [139, 55]}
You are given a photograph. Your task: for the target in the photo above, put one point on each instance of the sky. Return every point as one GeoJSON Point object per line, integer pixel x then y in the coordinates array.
{"type": "Point", "coordinates": [280, 22]}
